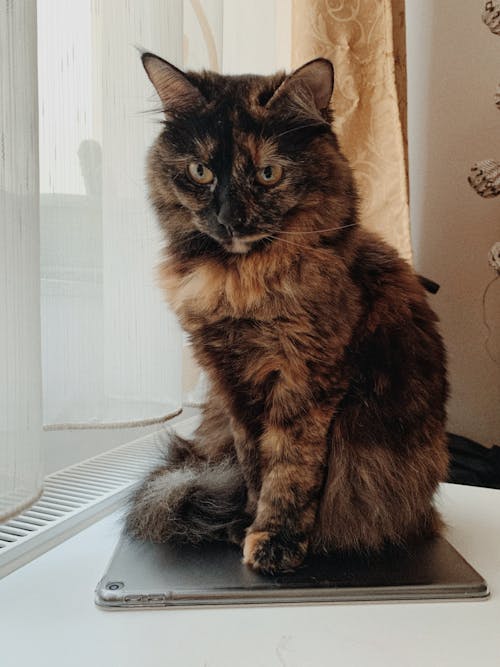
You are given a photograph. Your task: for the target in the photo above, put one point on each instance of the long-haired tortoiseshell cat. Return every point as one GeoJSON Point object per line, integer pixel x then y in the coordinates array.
{"type": "Point", "coordinates": [324, 425]}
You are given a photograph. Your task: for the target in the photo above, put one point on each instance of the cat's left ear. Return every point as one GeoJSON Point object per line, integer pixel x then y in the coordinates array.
{"type": "Point", "coordinates": [310, 85]}
{"type": "Point", "coordinates": [176, 92]}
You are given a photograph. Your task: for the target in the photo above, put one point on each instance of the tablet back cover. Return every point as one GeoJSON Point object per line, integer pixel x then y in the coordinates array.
{"type": "Point", "coordinates": [152, 575]}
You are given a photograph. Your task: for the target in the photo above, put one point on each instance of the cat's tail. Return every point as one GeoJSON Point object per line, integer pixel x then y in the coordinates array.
{"type": "Point", "coordinates": [186, 499]}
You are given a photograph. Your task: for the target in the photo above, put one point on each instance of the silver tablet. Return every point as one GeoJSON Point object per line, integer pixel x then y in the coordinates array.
{"type": "Point", "coordinates": [151, 575]}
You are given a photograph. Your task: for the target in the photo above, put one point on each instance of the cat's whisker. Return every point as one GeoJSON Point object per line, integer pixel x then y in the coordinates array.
{"type": "Point", "coordinates": [276, 238]}
{"type": "Point", "coordinates": [316, 231]}
{"type": "Point", "coordinates": [298, 245]}
{"type": "Point", "coordinates": [296, 129]}
{"type": "Point", "coordinates": [147, 112]}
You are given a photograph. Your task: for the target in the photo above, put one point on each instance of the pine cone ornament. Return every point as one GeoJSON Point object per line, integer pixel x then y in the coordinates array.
{"type": "Point", "coordinates": [485, 178]}
{"type": "Point", "coordinates": [491, 16]}
{"type": "Point", "coordinates": [494, 257]}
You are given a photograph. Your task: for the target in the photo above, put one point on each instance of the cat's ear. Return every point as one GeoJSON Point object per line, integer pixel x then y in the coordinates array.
{"type": "Point", "coordinates": [310, 85]}
{"type": "Point", "coordinates": [176, 92]}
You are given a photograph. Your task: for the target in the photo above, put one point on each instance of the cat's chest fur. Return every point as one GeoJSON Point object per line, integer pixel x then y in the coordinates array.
{"type": "Point", "coordinates": [263, 325]}
{"type": "Point", "coordinates": [207, 291]}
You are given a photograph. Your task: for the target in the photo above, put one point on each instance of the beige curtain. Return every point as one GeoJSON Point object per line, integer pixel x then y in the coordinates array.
{"type": "Point", "coordinates": [365, 40]}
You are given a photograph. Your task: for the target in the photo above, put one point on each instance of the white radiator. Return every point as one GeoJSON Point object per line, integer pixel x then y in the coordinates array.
{"type": "Point", "coordinates": [79, 495]}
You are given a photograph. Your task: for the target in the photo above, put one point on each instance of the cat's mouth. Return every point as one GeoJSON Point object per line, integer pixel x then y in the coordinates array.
{"type": "Point", "coordinates": [231, 242]}
{"type": "Point", "coordinates": [240, 245]}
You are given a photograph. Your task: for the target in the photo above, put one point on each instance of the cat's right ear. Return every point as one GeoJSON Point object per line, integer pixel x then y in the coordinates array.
{"type": "Point", "coordinates": [309, 87]}
{"type": "Point", "coordinates": [176, 92]}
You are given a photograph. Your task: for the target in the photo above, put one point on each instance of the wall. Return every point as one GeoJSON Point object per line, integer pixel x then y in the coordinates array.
{"type": "Point", "coordinates": [452, 122]}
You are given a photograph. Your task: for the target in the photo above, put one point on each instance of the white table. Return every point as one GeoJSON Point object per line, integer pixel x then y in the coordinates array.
{"type": "Point", "coordinates": [48, 617]}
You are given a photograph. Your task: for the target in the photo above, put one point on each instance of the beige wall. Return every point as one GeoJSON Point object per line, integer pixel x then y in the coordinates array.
{"type": "Point", "coordinates": [452, 76]}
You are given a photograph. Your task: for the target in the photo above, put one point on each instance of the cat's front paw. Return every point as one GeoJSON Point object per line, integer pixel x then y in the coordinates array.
{"type": "Point", "coordinates": [272, 553]}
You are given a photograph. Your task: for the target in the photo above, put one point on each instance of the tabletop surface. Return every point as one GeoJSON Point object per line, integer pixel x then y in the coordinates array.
{"type": "Point", "coordinates": [48, 616]}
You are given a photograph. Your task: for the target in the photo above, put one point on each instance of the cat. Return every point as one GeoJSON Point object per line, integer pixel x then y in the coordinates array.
{"type": "Point", "coordinates": [324, 426]}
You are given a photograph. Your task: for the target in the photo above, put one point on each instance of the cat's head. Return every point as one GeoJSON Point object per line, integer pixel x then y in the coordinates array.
{"type": "Point", "coordinates": [239, 156]}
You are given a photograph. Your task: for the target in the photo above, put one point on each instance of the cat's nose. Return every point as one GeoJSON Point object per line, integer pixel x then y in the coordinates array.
{"type": "Point", "coordinates": [225, 218]}
{"type": "Point", "coordinates": [225, 230]}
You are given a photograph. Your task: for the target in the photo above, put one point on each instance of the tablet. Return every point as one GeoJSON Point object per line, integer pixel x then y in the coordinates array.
{"type": "Point", "coordinates": [145, 575]}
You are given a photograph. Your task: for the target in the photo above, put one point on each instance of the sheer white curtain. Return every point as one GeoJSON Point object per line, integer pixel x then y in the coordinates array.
{"type": "Point", "coordinates": [111, 352]}
{"type": "Point", "coordinates": [111, 349]}
{"type": "Point", "coordinates": [20, 377]}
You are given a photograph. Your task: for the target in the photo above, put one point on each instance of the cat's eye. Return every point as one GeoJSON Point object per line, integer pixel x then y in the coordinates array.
{"type": "Point", "coordinates": [270, 174]}
{"type": "Point", "coordinates": [199, 173]}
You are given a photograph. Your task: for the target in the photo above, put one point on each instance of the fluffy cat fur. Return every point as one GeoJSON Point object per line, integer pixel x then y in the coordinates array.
{"type": "Point", "coordinates": [324, 425]}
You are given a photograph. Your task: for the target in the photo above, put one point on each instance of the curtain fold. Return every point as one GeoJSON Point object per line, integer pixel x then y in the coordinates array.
{"type": "Point", "coordinates": [20, 372]}
{"type": "Point", "coordinates": [112, 352]}
{"type": "Point", "coordinates": [357, 36]}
